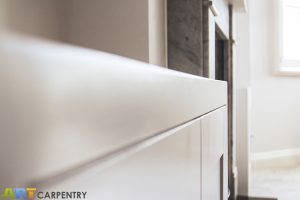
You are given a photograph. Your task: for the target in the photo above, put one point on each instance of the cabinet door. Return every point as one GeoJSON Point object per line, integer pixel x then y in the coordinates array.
{"type": "Point", "coordinates": [214, 155]}
{"type": "Point", "coordinates": [165, 167]}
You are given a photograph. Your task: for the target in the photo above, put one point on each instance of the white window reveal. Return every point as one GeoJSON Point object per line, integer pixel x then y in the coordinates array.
{"type": "Point", "coordinates": [290, 36]}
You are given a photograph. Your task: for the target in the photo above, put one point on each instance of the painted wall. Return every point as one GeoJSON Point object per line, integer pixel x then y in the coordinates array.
{"type": "Point", "coordinates": [42, 18]}
{"type": "Point", "coordinates": [242, 101]}
{"type": "Point", "coordinates": [119, 27]}
{"type": "Point", "coordinates": [131, 28]}
{"type": "Point", "coordinates": [275, 99]}
{"type": "Point", "coordinates": [270, 110]}
{"type": "Point", "coordinates": [2, 13]}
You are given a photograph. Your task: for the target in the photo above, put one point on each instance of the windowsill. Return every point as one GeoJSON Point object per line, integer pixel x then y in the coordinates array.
{"type": "Point", "coordinates": [288, 71]}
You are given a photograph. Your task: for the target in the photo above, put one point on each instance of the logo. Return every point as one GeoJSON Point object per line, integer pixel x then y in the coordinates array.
{"type": "Point", "coordinates": [19, 193]}
{"type": "Point", "coordinates": [33, 193]}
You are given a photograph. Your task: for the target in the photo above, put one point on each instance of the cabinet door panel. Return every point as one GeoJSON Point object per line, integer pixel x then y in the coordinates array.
{"type": "Point", "coordinates": [166, 170]}
{"type": "Point", "coordinates": [214, 158]}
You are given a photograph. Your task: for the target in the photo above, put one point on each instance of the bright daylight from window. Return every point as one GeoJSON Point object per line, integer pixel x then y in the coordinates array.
{"type": "Point", "coordinates": [291, 33]}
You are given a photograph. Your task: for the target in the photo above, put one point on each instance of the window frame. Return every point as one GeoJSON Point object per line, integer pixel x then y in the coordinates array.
{"type": "Point", "coordinates": [284, 67]}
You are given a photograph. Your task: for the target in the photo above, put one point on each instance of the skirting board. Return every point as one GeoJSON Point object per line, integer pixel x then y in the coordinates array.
{"type": "Point", "coordinates": [274, 159]}
{"type": "Point", "coordinates": [254, 198]}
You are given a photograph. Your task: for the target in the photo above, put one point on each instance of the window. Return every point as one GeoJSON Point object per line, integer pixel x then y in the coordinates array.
{"type": "Point", "coordinates": [289, 36]}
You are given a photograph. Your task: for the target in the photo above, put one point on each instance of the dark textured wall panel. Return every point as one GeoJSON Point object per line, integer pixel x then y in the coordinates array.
{"type": "Point", "coordinates": [185, 36]}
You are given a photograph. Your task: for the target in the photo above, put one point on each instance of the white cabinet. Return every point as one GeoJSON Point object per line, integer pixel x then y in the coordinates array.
{"type": "Point", "coordinates": [165, 167]}
{"type": "Point", "coordinates": [113, 127]}
{"type": "Point", "coordinates": [187, 162]}
{"type": "Point", "coordinates": [214, 155]}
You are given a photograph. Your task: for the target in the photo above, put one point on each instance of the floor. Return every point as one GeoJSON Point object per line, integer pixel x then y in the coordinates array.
{"type": "Point", "coordinates": [281, 183]}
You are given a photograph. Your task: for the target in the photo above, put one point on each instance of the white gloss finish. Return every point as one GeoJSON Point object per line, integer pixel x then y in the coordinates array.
{"type": "Point", "coordinates": [166, 169]}
{"type": "Point", "coordinates": [213, 148]}
{"type": "Point", "coordinates": [63, 106]}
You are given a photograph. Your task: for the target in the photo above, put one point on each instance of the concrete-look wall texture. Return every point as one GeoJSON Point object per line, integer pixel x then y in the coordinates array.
{"type": "Point", "coordinates": [275, 99]}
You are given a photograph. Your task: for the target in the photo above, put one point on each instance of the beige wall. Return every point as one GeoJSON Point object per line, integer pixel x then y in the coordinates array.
{"type": "Point", "coordinates": [42, 18]}
{"type": "Point", "coordinates": [119, 27]}
{"type": "Point", "coordinates": [131, 28]}
{"type": "Point", "coordinates": [2, 12]}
